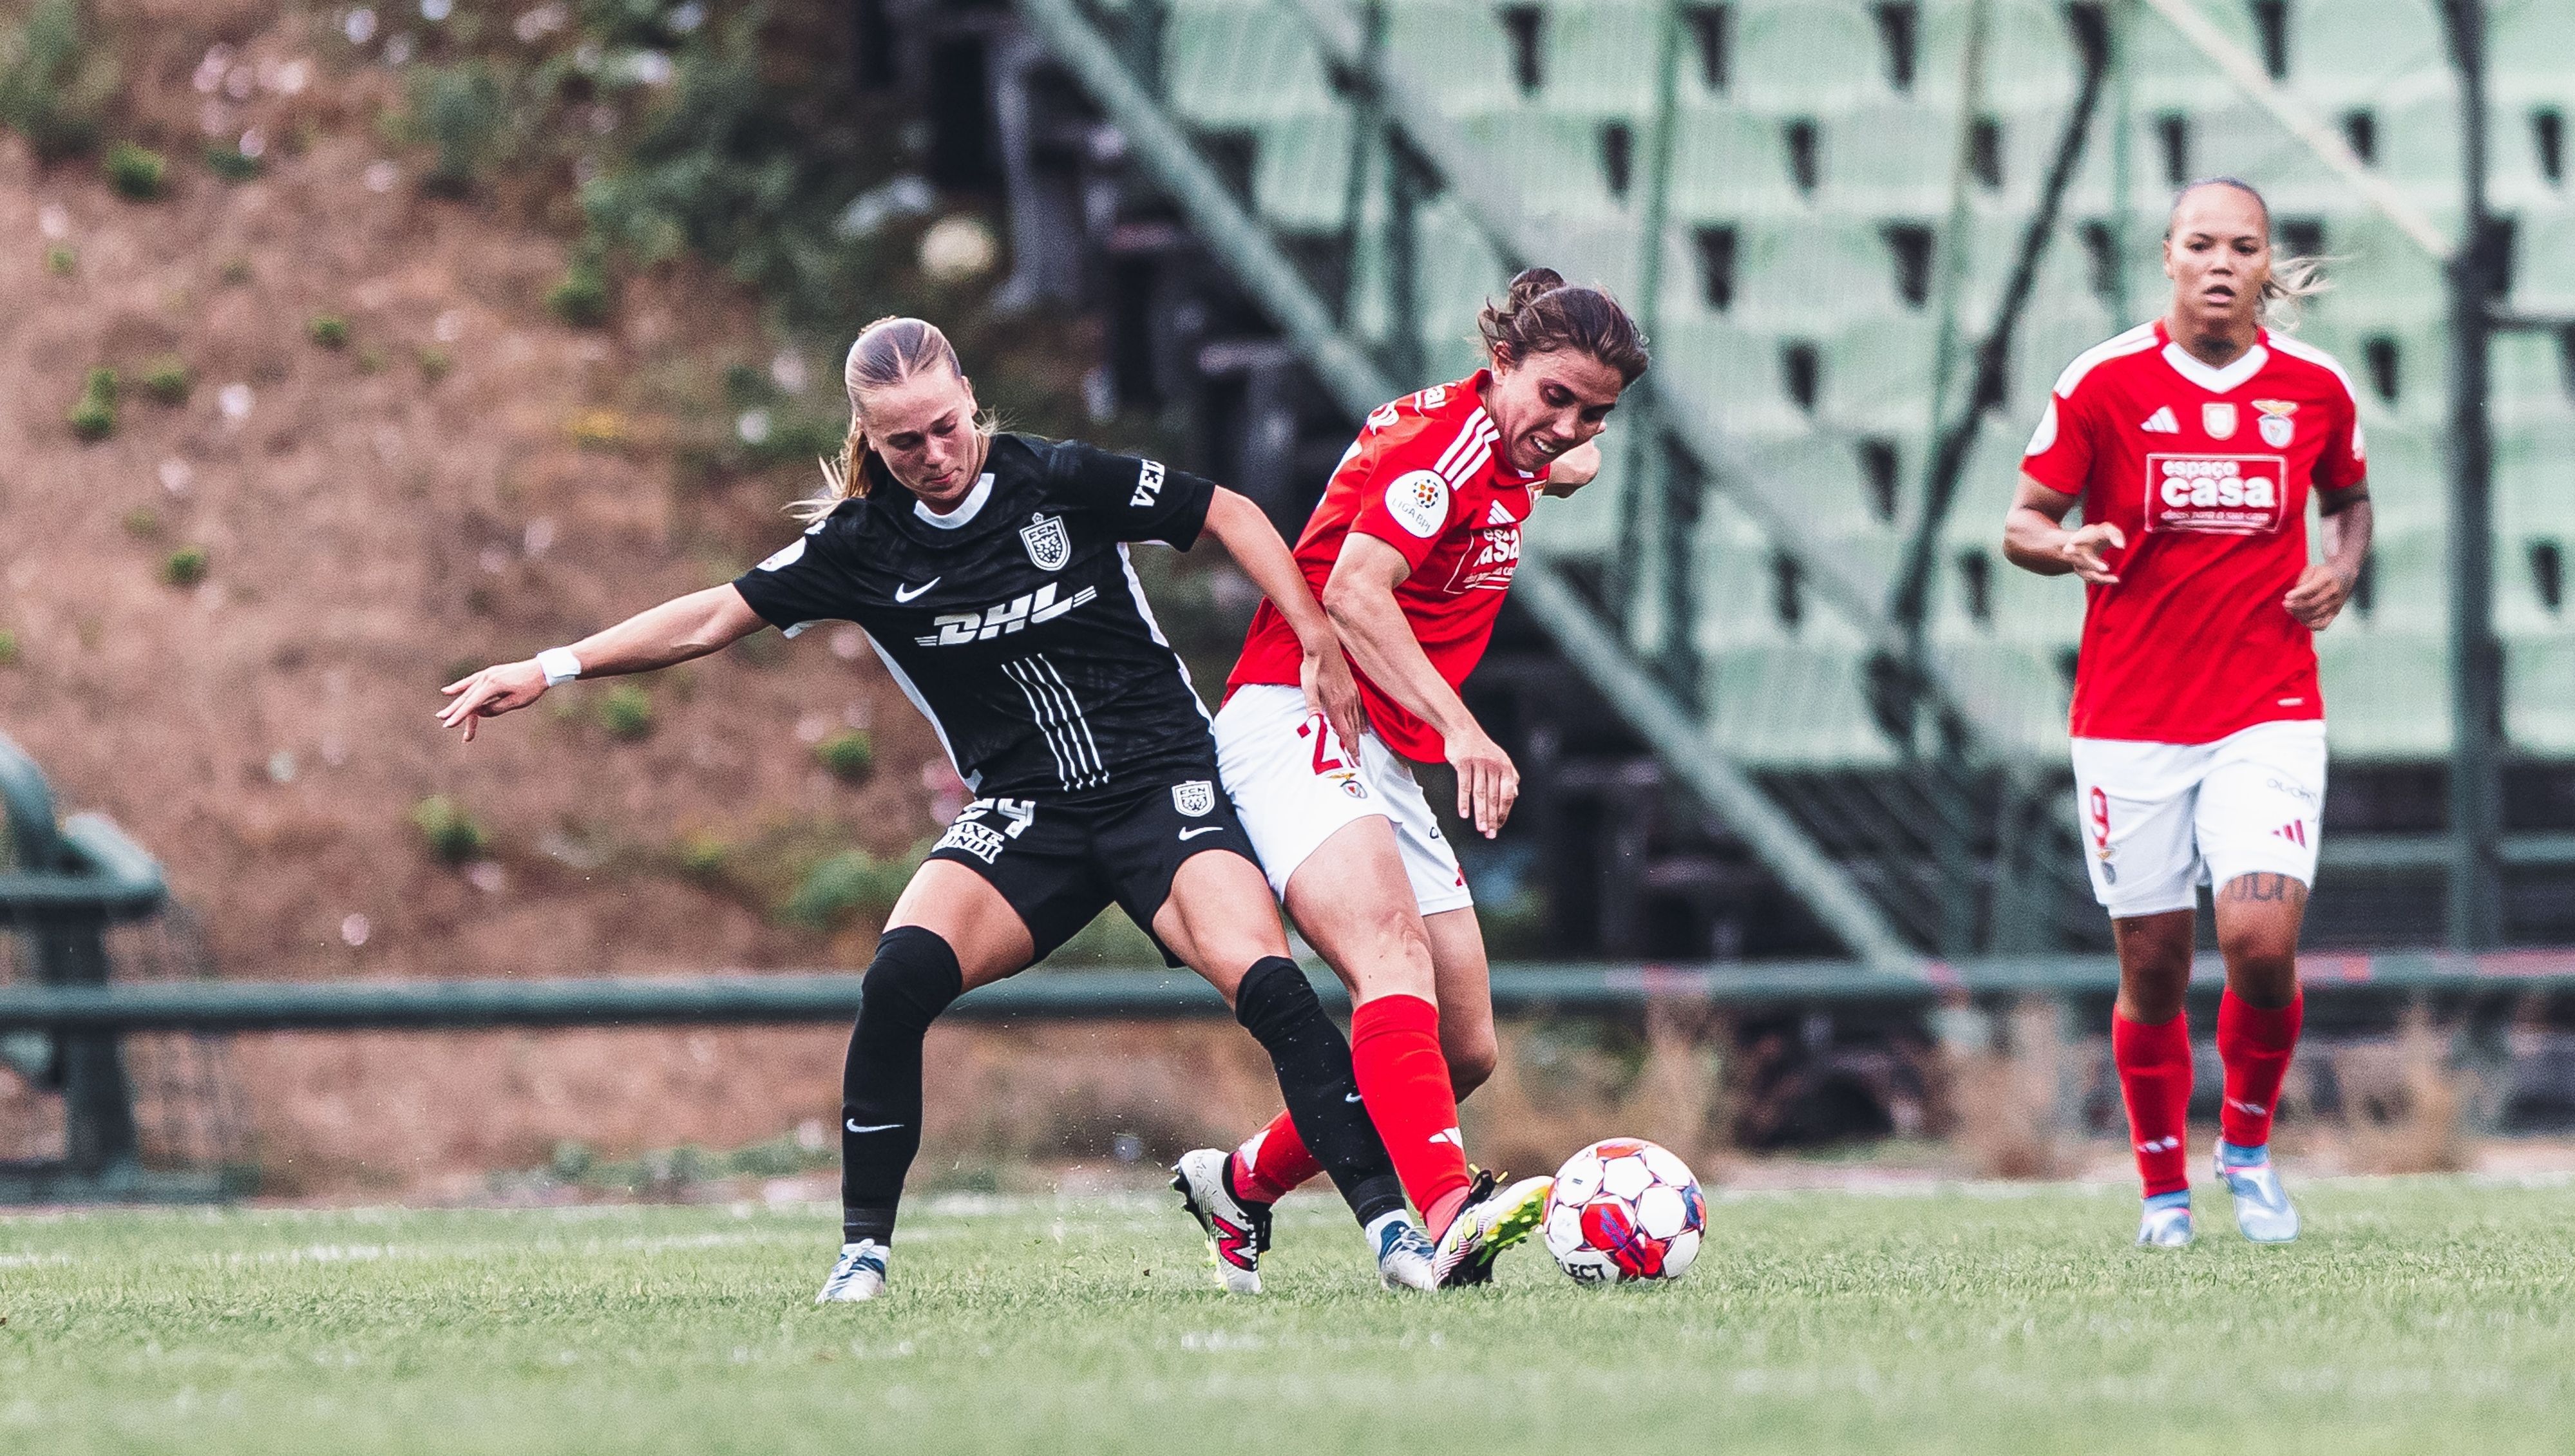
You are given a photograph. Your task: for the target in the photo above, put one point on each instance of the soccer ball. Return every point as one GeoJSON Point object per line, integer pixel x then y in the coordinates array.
{"type": "Point", "coordinates": [1624, 1209]}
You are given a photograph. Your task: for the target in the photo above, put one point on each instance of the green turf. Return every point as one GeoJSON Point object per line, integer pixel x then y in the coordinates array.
{"type": "Point", "coordinates": [2417, 1315]}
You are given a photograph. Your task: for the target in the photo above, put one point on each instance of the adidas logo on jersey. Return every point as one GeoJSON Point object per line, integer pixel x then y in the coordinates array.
{"type": "Point", "coordinates": [1148, 485]}
{"type": "Point", "coordinates": [2161, 422]}
{"type": "Point", "coordinates": [1025, 610]}
{"type": "Point", "coordinates": [1499, 517]}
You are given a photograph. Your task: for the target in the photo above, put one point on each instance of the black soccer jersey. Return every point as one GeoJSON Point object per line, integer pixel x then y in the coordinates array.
{"type": "Point", "coordinates": [1015, 624]}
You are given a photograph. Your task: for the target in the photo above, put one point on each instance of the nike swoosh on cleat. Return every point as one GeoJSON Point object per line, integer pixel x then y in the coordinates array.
{"type": "Point", "coordinates": [852, 1125]}
{"type": "Point", "coordinates": [906, 594]}
{"type": "Point", "coordinates": [1202, 830]}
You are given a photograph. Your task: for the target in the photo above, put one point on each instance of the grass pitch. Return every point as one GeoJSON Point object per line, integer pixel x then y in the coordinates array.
{"type": "Point", "coordinates": [2417, 1315]}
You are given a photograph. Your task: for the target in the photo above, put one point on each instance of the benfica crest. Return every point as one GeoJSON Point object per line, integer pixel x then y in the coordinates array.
{"type": "Point", "coordinates": [1050, 545]}
{"type": "Point", "coordinates": [1193, 797]}
{"type": "Point", "coordinates": [2276, 423]}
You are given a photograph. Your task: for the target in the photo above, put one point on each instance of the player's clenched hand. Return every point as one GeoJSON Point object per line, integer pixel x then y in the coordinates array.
{"type": "Point", "coordinates": [2317, 599]}
{"type": "Point", "coordinates": [1332, 690]}
{"type": "Point", "coordinates": [491, 693]}
{"type": "Point", "coordinates": [2082, 550]}
{"type": "Point", "coordinates": [1573, 469]}
{"type": "Point", "coordinates": [1487, 783]}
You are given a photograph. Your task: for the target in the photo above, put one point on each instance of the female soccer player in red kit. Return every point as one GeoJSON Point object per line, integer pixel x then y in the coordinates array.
{"type": "Point", "coordinates": [2194, 443]}
{"type": "Point", "coordinates": [1411, 549]}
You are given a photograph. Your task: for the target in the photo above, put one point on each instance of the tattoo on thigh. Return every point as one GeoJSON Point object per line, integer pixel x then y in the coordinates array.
{"type": "Point", "coordinates": [2259, 886]}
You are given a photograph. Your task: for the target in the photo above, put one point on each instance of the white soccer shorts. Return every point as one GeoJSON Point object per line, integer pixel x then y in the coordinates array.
{"type": "Point", "coordinates": [1294, 784]}
{"type": "Point", "coordinates": [2161, 820]}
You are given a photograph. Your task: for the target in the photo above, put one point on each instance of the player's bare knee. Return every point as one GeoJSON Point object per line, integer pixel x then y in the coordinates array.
{"type": "Point", "coordinates": [1470, 1062]}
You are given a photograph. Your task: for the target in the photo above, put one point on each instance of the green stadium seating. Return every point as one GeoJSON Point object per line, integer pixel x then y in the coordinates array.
{"type": "Point", "coordinates": [1456, 53]}
{"type": "Point", "coordinates": [1812, 267]}
{"type": "Point", "coordinates": [2387, 693]}
{"type": "Point", "coordinates": [1230, 63]}
{"type": "Point", "coordinates": [1805, 57]}
{"type": "Point", "coordinates": [2358, 50]}
{"type": "Point", "coordinates": [1601, 57]}
{"type": "Point", "coordinates": [2539, 691]}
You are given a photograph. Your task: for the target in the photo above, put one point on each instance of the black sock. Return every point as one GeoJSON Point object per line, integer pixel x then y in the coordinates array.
{"type": "Point", "coordinates": [1277, 1005]}
{"type": "Point", "coordinates": [911, 981]}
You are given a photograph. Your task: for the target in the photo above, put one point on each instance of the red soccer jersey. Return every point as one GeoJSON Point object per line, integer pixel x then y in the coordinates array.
{"type": "Point", "coordinates": [1425, 477]}
{"type": "Point", "coordinates": [2206, 472]}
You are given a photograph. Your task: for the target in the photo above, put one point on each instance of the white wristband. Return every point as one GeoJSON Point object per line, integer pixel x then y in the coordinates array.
{"type": "Point", "coordinates": [559, 665]}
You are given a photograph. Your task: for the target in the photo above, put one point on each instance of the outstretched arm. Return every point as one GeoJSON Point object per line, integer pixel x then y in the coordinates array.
{"type": "Point", "coordinates": [658, 637]}
{"type": "Point", "coordinates": [1360, 598]}
{"type": "Point", "coordinates": [2035, 539]}
{"type": "Point", "coordinates": [1254, 542]}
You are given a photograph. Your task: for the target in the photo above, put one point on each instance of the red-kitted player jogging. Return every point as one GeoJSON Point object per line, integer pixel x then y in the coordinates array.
{"type": "Point", "coordinates": [2194, 443]}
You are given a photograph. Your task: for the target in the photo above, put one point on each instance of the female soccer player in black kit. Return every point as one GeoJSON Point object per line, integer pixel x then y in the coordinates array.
{"type": "Point", "coordinates": [990, 573]}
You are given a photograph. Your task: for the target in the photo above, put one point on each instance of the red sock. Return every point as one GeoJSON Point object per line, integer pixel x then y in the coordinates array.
{"type": "Point", "coordinates": [1272, 1161]}
{"type": "Point", "coordinates": [1395, 1048]}
{"type": "Point", "coordinates": [2256, 1045]}
{"type": "Point", "coordinates": [2154, 1078]}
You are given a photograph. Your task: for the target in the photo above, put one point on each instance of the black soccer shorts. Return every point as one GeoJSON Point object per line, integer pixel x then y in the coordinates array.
{"type": "Point", "coordinates": [1061, 861]}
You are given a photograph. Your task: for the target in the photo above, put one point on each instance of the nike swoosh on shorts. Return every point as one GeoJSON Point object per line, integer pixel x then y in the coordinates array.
{"type": "Point", "coordinates": [852, 1125]}
{"type": "Point", "coordinates": [1200, 830]}
{"type": "Point", "coordinates": [906, 594]}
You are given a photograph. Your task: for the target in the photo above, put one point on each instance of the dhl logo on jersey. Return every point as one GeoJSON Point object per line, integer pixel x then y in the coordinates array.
{"type": "Point", "coordinates": [2231, 495]}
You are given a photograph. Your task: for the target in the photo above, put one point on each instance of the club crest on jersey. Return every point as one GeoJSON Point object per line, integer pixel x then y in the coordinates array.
{"type": "Point", "coordinates": [1050, 545]}
{"type": "Point", "coordinates": [2278, 428]}
{"type": "Point", "coordinates": [1193, 797]}
{"type": "Point", "coordinates": [2218, 420]}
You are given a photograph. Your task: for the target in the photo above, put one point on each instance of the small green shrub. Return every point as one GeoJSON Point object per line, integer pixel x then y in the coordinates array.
{"type": "Point", "coordinates": [136, 172]}
{"type": "Point", "coordinates": [93, 415]}
{"type": "Point", "coordinates": [845, 887]}
{"type": "Point", "coordinates": [453, 834]}
{"type": "Point", "coordinates": [8, 650]}
{"type": "Point", "coordinates": [328, 330]}
{"type": "Point", "coordinates": [461, 112]}
{"type": "Point", "coordinates": [166, 379]}
{"type": "Point", "coordinates": [236, 271]}
{"type": "Point", "coordinates": [232, 162]}
{"type": "Point", "coordinates": [371, 360]}
{"type": "Point", "coordinates": [143, 523]}
{"type": "Point", "coordinates": [703, 858]}
{"type": "Point", "coordinates": [585, 296]}
{"type": "Point", "coordinates": [93, 419]}
{"type": "Point", "coordinates": [850, 755]}
{"type": "Point", "coordinates": [54, 86]}
{"type": "Point", "coordinates": [61, 261]}
{"type": "Point", "coordinates": [185, 567]}
{"type": "Point", "coordinates": [625, 711]}
{"type": "Point", "coordinates": [435, 364]}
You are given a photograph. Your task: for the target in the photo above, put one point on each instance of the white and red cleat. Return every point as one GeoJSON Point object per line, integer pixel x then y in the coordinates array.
{"type": "Point", "coordinates": [1237, 1229]}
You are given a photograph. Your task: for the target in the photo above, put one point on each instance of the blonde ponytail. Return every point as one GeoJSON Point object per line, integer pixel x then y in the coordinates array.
{"type": "Point", "coordinates": [2291, 282]}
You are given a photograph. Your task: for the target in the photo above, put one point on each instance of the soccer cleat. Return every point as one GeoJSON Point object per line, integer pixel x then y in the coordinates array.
{"type": "Point", "coordinates": [859, 1274]}
{"type": "Point", "coordinates": [2165, 1228]}
{"type": "Point", "coordinates": [1404, 1257]}
{"type": "Point", "coordinates": [1238, 1230]}
{"type": "Point", "coordinates": [1490, 1221]}
{"type": "Point", "coordinates": [2262, 1207]}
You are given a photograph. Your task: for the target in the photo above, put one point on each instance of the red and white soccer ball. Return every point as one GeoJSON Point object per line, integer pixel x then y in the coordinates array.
{"type": "Point", "coordinates": [1624, 1209]}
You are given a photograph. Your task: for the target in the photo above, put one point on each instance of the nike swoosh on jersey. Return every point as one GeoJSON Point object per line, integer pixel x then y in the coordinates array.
{"type": "Point", "coordinates": [1200, 830]}
{"type": "Point", "coordinates": [906, 594]}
